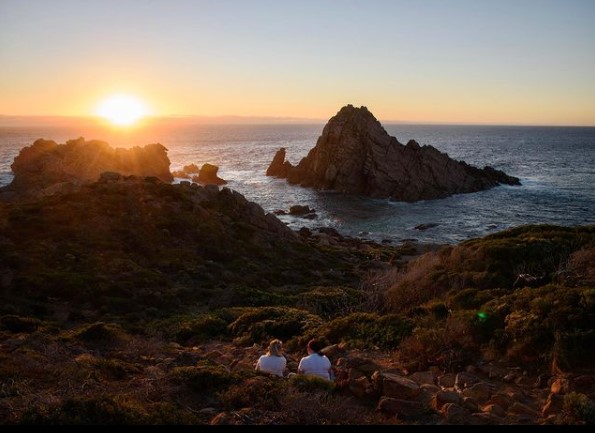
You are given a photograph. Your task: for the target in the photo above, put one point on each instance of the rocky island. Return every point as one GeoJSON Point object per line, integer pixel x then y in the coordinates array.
{"type": "Point", "coordinates": [356, 155]}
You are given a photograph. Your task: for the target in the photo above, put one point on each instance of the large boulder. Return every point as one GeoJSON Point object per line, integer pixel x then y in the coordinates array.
{"type": "Point", "coordinates": [47, 163]}
{"type": "Point", "coordinates": [356, 155]}
{"type": "Point", "coordinates": [208, 175]}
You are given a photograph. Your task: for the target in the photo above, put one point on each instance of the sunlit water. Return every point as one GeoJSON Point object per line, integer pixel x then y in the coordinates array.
{"type": "Point", "coordinates": [556, 166]}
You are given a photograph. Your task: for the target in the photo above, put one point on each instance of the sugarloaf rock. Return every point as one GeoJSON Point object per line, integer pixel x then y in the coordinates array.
{"type": "Point", "coordinates": [356, 155]}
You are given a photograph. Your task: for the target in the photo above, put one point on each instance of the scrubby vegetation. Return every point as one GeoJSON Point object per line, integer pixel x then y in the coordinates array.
{"type": "Point", "coordinates": [489, 307]}
{"type": "Point", "coordinates": [145, 303]}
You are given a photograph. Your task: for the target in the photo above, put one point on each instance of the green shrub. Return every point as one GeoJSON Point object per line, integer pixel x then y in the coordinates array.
{"type": "Point", "coordinates": [368, 330]}
{"type": "Point", "coordinates": [312, 384]}
{"type": "Point", "coordinates": [204, 378]}
{"type": "Point", "coordinates": [449, 345]}
{"type": "Point", "coordinates": [104, 410]}
{"type": "Point", "coordinates": [81, 410]}
{"type": "Point", "coordinates": [574, 349]}
{"type": "Point", "coordinates": [492, 262]}
{"type": "Point", "coordinates": [16, 324]}
{"type": "Point", "coordinates": [259, 325]}
{"type": "Point", "coordinates": [578, 408]}
{"type": "Point", "coordinates": [468, 299]}
{"type": "Point", "coordinates": [264, 393]}
{"type": "Point", "coordinates": [100, 333]}
{"type": "Point", "coordinates": [329, 301]}
{"type": "Point", "coordinates": [112, 368]}
{"type": "Point", "coordinates": [202, 328]}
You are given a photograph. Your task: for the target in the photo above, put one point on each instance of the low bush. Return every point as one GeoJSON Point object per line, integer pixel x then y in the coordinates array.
{"type": "Point", "coordinates": [204, 378]}
{"type": "Point", "coordinates": [367, 330]}
{"type": "Point", "coordinates": [259, 325]}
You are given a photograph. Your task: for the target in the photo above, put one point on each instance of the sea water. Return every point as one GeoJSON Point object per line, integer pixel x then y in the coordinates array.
{"type": "Point", "coordinates": [556, 166]}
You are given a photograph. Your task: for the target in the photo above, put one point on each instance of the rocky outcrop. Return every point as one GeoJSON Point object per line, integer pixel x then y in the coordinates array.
{"type": "Point", "coordinates": [208, 175]}
{"type": "Point", "coordinates": [46, 163]}
{"type": "Point", "coordinates": [356, 155]}
{"type": "Point", "coordinates": [187, 171]}
{"type": "Point", "coordinates": [279, 167]}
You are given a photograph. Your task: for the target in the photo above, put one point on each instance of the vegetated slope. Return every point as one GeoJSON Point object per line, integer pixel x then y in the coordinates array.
{"type": "Point", "coordinates": [527, 294]}
{"type": "Point", "coordinates": [134, 243]}
{"type": "Point", "coordinates": [138, 302]}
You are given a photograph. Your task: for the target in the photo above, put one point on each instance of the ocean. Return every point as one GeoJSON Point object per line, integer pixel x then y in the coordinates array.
{"type": "Point", "coordinates": [556, 166]}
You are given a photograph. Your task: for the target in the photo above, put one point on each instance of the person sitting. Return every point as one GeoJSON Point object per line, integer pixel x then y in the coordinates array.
{"type": "Point", "coordinates": [315, 364]}
{"type": "Point", "coordinates": [273, 362]}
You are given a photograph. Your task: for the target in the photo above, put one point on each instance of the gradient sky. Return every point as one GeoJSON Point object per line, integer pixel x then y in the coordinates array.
{"type": "Point", "coordinates": [506, 62]}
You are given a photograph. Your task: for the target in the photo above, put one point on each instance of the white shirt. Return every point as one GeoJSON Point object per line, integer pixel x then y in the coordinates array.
{"type": "Point", "coordinates": [315, 365]}
{"type": "Point", "coordinates": [271, 364]}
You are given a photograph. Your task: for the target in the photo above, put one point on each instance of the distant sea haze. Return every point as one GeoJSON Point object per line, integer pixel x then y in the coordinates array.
{"type": "Point", "coordinates": [556, 166]}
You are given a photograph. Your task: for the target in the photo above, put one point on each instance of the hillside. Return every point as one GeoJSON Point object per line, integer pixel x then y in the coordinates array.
{"type": "Point", "coordinates": [132, 301]}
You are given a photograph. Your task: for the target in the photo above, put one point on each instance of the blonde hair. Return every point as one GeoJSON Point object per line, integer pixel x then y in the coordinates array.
{"type": "Point", "coordinates": [275, 348]}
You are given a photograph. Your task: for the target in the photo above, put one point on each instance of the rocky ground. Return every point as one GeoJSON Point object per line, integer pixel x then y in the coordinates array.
{"type": "Point", "coordinates": [102, 375]}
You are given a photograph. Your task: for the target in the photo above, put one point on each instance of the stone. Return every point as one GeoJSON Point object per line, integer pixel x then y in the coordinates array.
{"type": "Point", "coordinates": [362, 387]}
{"type": "Point", "coordinates": [553, 405]}
{"type": "Point", "coordinates": [470, 404]}
{"type": "Point", "coordinates": [447, 380]}
{"type": "Point", "coordinates": [522, 409]}
{"type": "Point", "coordinates": [278, 168]}
{"type": "Point", "coordinates": [455, 414]}
{"type": "Point", "coordinates": [444, 397]}
{"type": "Point", "coordinates": [502, 400]}
{"type": "Point", "coordinates": [208, 175]}
{"type": "Point", "coordinates": [464, 380]}
{"type": "Point", "coordinates": [481, 392]}
{"type": "Point", "coordinates": [393, 385]}
{"type": "Point", "coordinates": [402, 409]}
{"type": "Point", "coordinates": [431, 388]}
{"type": "Point", "coordinates": [560, 386]}
{"type": "Point", "coordinates": [421, 377]}
{"type": "Point", "coordinates": [494, 409]}
{"type": "Point", "coordinates": [299, 210]}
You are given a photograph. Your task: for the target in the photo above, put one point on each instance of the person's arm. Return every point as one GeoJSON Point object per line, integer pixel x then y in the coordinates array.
{"type": "Point", "coordinates": [299, 370]}
{"type": "Point", "coordinates": [257, 368]}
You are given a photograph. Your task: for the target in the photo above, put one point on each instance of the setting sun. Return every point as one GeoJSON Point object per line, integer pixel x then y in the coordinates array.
{"type": "Point", "coordinates": [122, 110]}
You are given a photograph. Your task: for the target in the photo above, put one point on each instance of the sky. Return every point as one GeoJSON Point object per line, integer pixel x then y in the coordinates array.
{"type": "Point", "coordinates": [455, 61]}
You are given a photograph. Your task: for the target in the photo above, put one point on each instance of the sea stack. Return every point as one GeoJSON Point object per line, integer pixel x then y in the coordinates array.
{"type": "Point", "coordinates": [356, 155]}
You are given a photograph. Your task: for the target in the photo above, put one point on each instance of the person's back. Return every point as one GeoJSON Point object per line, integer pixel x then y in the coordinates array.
{"type": "Point", "coordinates": [273, 362]}
{"type": "Point", "coordinates": [315, 364]}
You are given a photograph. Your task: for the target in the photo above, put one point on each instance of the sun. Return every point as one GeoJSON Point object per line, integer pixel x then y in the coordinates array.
{"type": "Point", "coordinates": [122, 110]}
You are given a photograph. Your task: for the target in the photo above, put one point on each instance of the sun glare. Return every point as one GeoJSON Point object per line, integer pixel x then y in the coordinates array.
{"type": "Point", "coordinates": [122, 110]}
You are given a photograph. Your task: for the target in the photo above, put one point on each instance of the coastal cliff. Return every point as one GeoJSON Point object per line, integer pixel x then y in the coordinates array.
{"type": "Point", "coordinates": [356, 155]}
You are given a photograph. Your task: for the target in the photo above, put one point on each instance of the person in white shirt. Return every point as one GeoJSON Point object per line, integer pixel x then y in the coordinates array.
{"type": "Point", "coordinates": [273, 362]}
{"type": "Point", "coordinates": [315, 364]}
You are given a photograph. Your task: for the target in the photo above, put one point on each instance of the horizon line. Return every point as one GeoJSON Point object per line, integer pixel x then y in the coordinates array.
{"type": "Point", "coordinates": [228, 118]}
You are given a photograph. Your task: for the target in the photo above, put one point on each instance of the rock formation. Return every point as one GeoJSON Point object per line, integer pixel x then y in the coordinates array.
{"type": "Point", "coordinates": [46, 163]}
{"type": "Point", "coordinates": [208, 175]}
{"type": "Point", "coordinates": [279, 167]}
{"type": "Point", "coordinates": [356, 155]}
